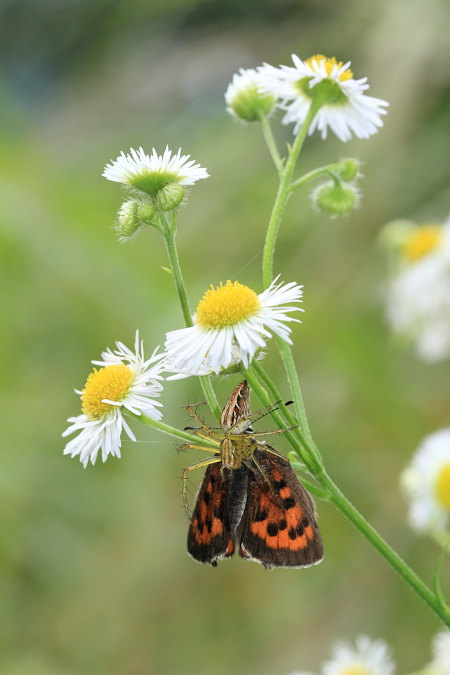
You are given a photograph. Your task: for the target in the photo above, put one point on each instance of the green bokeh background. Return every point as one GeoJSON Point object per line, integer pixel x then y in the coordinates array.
{"type": "Point", "coordinates": [95, 578]}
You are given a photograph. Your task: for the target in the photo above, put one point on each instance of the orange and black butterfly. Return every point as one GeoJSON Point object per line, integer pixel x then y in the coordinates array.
{"type": "Point", "coordinates": [250, 499]}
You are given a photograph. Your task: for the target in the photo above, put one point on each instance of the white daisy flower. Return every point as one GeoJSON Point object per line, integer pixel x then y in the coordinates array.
{"type": "Point", "coordinates": [153, 174]}
{"type": "Point", "coordinates": [345, 108]}
{"type": "Point", "coordinates": [426, 483]}
{"type": "Point", "coordinates": [231, 323]}
{"type": "Point", "coordinates": [368, 657]}
{"type": "Point", "coordinates": [244, 98]}
{"type": "Point", "coordinates": [418, 292]}
{"type": "Point", "coordinates": [125, 381]}
{"type": "Point", "coordinates": [440, 664]}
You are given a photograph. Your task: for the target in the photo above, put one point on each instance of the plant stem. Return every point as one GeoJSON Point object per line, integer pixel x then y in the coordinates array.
{"type": "Point", "coordinates": [268, 136]}
{"type": "Point", "coordinates": [169, 232]}
{"type": "Point", "coordinates": [331, 492]}
{"type": "Point", "coordinates": [169, 238]}
{"type": "Point", "coordinates": [289, 365]}
{"type": "Point", "coordinates": [342, 503]}
{"type": "Point", "coordinates": [282, 196]}
{"type": "Point", "coordinates": [210, 396]}
{"type": "Point", "coordinates": [266, 401]}
{"type": "Point", "coordinates": [171, 431]}
{"type": "Point", "coordinates": [307, 451]}
{"type": "Point", "coordinates": [311, 175]}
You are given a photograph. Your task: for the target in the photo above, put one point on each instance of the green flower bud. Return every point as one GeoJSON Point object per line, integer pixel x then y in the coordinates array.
{"type": "Point", "coordinates": [169, 197]}
{"type": "Point", "coordinates": [394, 235]}
{"type": "Point", "coordinates": [244, 100]}
{"type": "Point", "coordinates": [335, 198]}
{"type": "Point", "coordinates": [349, 169]}
{"type": "Point", "coordinates": [132, 217]}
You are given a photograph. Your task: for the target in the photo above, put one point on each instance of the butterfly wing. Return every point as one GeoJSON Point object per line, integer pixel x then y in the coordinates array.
{"type": "Point", "coordinates": [279, 526]}
{"type": "Point", "coordinates": [209, 535]}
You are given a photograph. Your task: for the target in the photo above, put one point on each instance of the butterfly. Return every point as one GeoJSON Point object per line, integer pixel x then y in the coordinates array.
{"type": "Point", "coordinates": [250, 500]}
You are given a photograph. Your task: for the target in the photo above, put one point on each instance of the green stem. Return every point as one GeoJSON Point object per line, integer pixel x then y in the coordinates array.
{"type": "Point", "coordinates": [311, 175]}
{"type": "Point", "coordinates": [294, 383]}
{"type": "Point", "coordinates": [309, 452]}
{"type": "Point", "coordinates": [309, 455]}
{"type": "Point", "coordinates": [268, 136]}
{"type": "Point", "coordinates": [342, 503]}
{"type": "Point", "coordinates": [282, 196]}
{"type": "Point", "coordinates": [263, 396]}
{"type": "Point", "coordinates": [210, 396]}
{"type": "Point", "coordinates": [331, 492]}
{"type": "Point", "coordinates": [441, 539]}
{"type": "Point", "coordinates": [169, 232]}
{"type": "Point", "coordinates": [169, 237]}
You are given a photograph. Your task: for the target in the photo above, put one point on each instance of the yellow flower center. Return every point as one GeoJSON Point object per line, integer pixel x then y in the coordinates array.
{"type": "Point", "coordinates": [443, 486]}
{"type": "Point", "coordinates": [423, 240]}
{"type": "Point", "coordinates": [354, 670]}
{"type": "Point", "coordinates": [110, 382]}
{"type": "Point", "coordinates": [226, 305]}
{"type": "Point", "coordinates": [329, 65]}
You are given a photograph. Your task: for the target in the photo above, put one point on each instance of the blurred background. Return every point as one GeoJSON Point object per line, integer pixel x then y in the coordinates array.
{"type": "Point", "coordinates": [94, 574]}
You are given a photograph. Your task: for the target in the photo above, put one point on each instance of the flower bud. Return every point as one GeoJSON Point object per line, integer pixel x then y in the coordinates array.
{"type": "Point", "coordinates": [244, 100]}
{"type": "Point", "coordinates": [349, 169]}
{"type": "Point", "coordinates": [132, 217]}
{"type": "Point", "coordinates": [169, 197]}
{"type": "Point", "coordinates": [335, 198]}
{"type": "Point", "coordinates": [395, 234]}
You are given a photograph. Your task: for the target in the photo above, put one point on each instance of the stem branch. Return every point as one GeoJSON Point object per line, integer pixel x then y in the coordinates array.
{"type": "Point", "coordinates": [282, 196]}
{"type": "Point", "coordinates": [169, 232]}
{"type": "Point", "coordinates": [342, 503]}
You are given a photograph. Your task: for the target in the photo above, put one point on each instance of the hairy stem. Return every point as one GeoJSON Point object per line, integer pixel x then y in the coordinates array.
{"type": "Point", "coordinates": [169, 232]}
{"type": "Point", "coordinates": [282, 197]}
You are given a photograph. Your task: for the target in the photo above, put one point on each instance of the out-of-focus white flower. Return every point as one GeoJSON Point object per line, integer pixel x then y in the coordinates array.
{"type": "Point", "coordinates": [426, 483]}
{"type": "Point", "coordinates": [126, 380]}
{"type": "Point", "coordinates": [344, 106]}
{"type": "Point", "coordinates": [440, 664]}
{"type": "Point", "coordinates": [231, 323]}
{"type": "Point", "coordinates": [367, 657]}
{"type": "Point", "coordinates": [418, 291]}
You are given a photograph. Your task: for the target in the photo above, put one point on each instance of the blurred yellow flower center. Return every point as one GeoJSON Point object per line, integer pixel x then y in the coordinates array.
{"type": "Point", "coordinates": [423, 240]}
{"type": "Point", "coordinates": [329, 65]}
{"type": "Point", "coordinates": [443, 486]}
{"type": "Point", "coordinates": [354, 670]}
{"type": "Point", "coordinates": [110, 382]}
{"type": "Point", "coordinates": [226, 305]}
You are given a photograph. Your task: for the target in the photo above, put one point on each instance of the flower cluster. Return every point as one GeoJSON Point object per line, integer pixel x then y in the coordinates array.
{"type": "Point", "coordinates": [328, 85]}
{"type": "Point", "coordinates": [157, 184]}
{"type": "Point", "coordinates": [418, 290]}
{"type": "Point", "coordinates": [231, 324]}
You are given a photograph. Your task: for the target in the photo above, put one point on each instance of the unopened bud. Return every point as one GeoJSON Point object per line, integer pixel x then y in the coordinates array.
{"type": "Point", "coordinates": [132, 217]}
{"type": "Point", "coordinates": [335, 198]}
{"type": "Point", "coordinates": [349, 169]}
{"type": "Point", "coordinates": [394, 235]}
{"type": "Point", "coordinates": [169, 197]}
{"type": "Point", "coordinates": [244, 99]}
